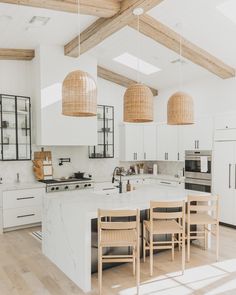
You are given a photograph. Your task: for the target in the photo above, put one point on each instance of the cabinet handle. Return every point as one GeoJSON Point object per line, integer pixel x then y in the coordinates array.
{"type": "Point", "coordinates": [178, 157]}
{"type": "Point", "coordinates": [134, 156]}
{"type": "Point", "coordinates": [165, 182]}
{"type": "Point", "coordinates": [195, 144]}
{"type": "Point", "coordinates": [167, 155]}
{"type": "Point", "coordinates": [145, 156]}
{"type": "Point", "coordinates": [229, 175]}
{"type": "Point", "coordinates": [198, 144]}
{"type": "Point", "coordinates": [24, 198]}
{"type": "Point", "coordinates": [27, 215]}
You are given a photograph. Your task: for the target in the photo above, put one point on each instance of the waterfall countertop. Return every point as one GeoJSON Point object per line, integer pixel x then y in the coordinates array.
{"type": "Point", "coordinates": [67, 218]}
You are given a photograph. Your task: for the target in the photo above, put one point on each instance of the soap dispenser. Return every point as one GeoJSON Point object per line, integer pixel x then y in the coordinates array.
{"type": "Point", "coordinates": [128, 186]}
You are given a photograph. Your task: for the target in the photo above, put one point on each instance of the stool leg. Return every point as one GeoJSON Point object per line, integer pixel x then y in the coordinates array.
{"type": "Point", "coordinates": [217, 240]}
{"type": "Point", "coordinates": [151, 254]}
{"type": "Point", "coordinates": [100, 270]}
{"type": "Point", "coordinates": [188, 241]}
{"type": "Point", "coordinates": [137, 269]}
{"type": "Point", "coordinates": [134, 262]}
{"type": "Point", "coordinates": [144, 242]}
{"type": "Point", "coordinates": [173, 248]}
{"type": "Point", "coordinates": [183, 253]}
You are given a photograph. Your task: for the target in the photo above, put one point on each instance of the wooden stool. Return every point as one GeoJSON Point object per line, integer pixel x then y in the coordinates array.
{"type": "Point", "coordinates": [118, 234]}
{"type": "Point", "coordinates": [172, 222]}
{"type": "Point", "coordinates": [202, 210]}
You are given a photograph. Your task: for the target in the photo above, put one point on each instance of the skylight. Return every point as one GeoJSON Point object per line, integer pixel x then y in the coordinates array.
{"type": "Point", "coordinates": [131, 61]}
{"type": "Point", "coordinates": [228, 9]}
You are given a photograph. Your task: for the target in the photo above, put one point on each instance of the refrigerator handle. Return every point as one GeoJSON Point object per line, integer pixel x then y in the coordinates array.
{"type": "Point", "coordinates": [235, 176]}
{"type": "Point", "coordinates": [229, 175]}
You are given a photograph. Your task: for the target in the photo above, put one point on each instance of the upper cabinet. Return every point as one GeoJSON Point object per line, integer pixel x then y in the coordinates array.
{"type": "Point", "coordinates": [51, 67]}
{"type": "Point", "coordinates": [168, 143]}
{"type": "Point", "coordinates": [225, 121]}
{"type": "Point", "coordinates": [15, 126]}
{"type": "Point", "coordinates": [198, 136]}
{"type": "Point", "coordinates": [137, 142]}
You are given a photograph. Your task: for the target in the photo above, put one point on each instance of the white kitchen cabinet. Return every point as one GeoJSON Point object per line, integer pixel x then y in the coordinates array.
{"type": "Point", "coordinates": [224, 179]}
{"type": "Point", "coordinates": [225, 121]}
{"type": "Point", "coordinates": [198, 136]}
{"type": "Point", "coordinates": [168, 143]}
{"type": "Point", "coordinates": [137, 142]}
{"type": "Point", "coordinates": [21, 207]}
{"type": "Point", "coordinates": [149, 142]}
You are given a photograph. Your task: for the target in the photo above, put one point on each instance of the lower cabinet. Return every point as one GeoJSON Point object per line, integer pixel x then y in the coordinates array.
{"type": "Point", "coordinates": [21, 207]}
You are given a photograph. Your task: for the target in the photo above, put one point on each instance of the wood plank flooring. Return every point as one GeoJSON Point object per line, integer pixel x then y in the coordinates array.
{"type": "Point", "coordinates": [25, 271]}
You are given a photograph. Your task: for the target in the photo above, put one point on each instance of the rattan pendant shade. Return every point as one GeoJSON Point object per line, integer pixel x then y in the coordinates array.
{"type": "Point", "coordinates": [138, 104]}
{"type": "Point", "coordinates": [79, 95]}
{"type": "Point", "coordinates": [180, 109]}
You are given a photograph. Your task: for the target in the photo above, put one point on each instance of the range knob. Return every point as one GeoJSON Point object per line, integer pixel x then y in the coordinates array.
{"type": "Point", "coordinates": [57, 188]}
{"type": "Point", "coordinates": [77, 186]}
{"type": "Point", "coordinates": [89, 184]}
{"type": "Point", "coordinates": [52, 188]}
{"type": "Point", "coordinates": [85, 185]}
{"type": "Point", "coordinates": [66, 187]}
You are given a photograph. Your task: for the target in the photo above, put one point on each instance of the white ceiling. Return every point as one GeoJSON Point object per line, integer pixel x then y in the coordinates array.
{"type": "Point", "coordinates": [60, 29]}
{"type": "Point", "coordinates": [201, 23]}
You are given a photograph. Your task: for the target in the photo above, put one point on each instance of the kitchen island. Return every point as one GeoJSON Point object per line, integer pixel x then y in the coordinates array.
{"type": "Point", "coordinates": [67, 224]}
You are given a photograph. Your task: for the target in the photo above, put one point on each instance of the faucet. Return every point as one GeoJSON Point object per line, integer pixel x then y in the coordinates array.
{"type": "Point", "coordinates": [119, 169]}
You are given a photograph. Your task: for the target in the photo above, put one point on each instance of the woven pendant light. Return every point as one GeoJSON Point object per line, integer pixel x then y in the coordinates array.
{"type": "Point", "coordinates": [79, 95]}
{"type": "Point", "coordinates": [138, 98]}
{"type": "Point", "coordinates": [180, 109]}
{"type": "Point", "coordinates": [138, 104]}
{"type": "Point", "coordinates": [79, 92]}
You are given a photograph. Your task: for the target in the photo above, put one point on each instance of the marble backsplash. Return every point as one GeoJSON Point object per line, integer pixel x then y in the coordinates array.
{"type": "Point", "coordinates": [99, 168]}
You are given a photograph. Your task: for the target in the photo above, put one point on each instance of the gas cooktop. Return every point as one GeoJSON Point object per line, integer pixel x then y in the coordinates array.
{"type": "Point", "coordinates": [55, 185]}
{"type": "Point", "coordinates": [67, 180]}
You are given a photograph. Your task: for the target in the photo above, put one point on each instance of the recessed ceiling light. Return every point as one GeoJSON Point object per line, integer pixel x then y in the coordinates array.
{"type": "Point", "coordinates": [228, 9]}
{"type": "Point", "coordinates": [131, 61]}
{"type": "Point", "coordinates": [39, 20]}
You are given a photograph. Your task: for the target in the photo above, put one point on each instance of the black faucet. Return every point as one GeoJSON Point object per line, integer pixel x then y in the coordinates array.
{"type": "Point", "coordinates": [119, 170]}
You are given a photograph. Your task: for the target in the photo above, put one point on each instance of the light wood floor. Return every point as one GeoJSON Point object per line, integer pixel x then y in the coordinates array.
{"type": "Point", "coordinates": [25, 271]}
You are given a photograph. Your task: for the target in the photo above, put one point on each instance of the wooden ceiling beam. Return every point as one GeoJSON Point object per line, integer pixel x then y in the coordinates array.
{"type": "Point", "coordinates": [16, 54]}
{"type": "Point", "coordinates": [103, 28]}
{"type": "Point", "coordinates": [100, 8]}
{"type": "Point", "coordinates": [155, 30]}
{"type": "Point", "coordinates": [119, 79]}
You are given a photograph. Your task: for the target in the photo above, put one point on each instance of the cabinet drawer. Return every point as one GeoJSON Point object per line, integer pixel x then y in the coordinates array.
{"type": "Point", "coordinates": [22, 198]}
{"type": "Point", "coordinates": [21, 216]}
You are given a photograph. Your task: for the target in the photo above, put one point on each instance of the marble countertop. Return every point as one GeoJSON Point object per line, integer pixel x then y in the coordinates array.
{"type": "Point", "coordinates": [21, 185]}
{"type": "Point", "coordinates": [144, 176]}
{"type": "Point", "coordinates": [88, 202]}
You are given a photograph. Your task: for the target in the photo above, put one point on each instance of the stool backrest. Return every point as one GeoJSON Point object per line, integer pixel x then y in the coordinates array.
{"type": "Point", "coordinates": [118, 219]}
{"type": "Point", "coordinates": [174, 210]}
{"type": "Point", "coordinates": [201, 204]}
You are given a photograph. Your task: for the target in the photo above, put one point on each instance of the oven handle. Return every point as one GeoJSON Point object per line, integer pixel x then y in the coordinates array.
{"type": "Point", "coordinates": [229, 175]}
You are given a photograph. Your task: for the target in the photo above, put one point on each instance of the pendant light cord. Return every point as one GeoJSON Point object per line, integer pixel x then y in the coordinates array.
{"type": "Point", "coordinates": [139, 50]}
{"type": "Point", "coordinates": [79, 28]}
{"type": "Point", "coordinates": [180, 60]}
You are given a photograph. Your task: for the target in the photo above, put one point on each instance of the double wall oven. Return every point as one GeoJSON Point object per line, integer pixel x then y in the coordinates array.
{"type": "Point", "coordinates": [198, 168]}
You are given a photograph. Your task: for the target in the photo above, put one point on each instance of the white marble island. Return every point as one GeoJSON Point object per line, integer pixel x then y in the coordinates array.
{"type": "Point", "coordinates": [67, 219]}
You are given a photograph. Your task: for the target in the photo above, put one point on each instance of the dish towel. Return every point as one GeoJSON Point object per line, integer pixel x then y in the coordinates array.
{"type": "Point", "coordinates": [204, 164]}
